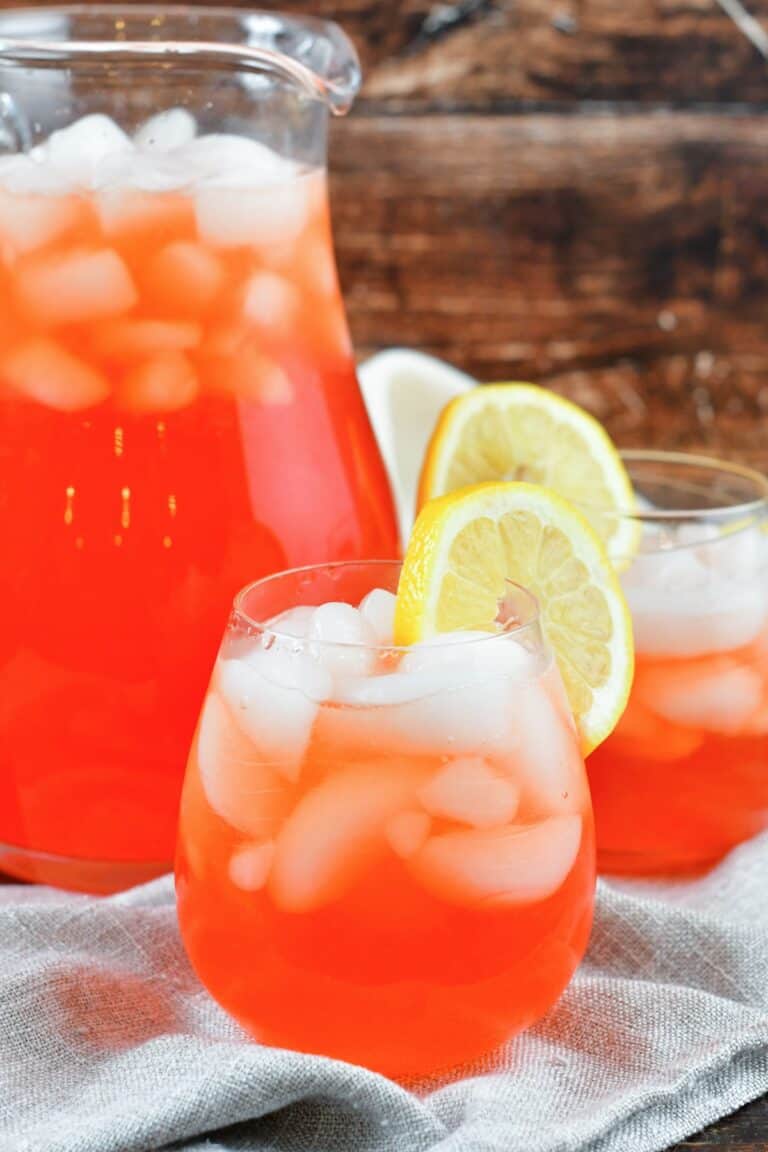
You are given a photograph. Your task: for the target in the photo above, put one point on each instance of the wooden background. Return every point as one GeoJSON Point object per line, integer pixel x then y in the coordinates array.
{"type": "Point", "coordinates": [569, 191]}
{"type": "Point", "coordinates": [573, 192]}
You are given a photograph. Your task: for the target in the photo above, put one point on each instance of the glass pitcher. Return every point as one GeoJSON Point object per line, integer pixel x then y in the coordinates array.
{"type": "Point", "coordinates": [179, 412]}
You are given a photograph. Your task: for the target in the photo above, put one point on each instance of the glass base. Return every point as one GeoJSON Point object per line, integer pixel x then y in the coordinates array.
{"type": "Point", "coordinates": [99, 877]}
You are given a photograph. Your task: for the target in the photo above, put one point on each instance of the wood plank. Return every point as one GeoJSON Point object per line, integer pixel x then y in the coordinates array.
{"type": "Point", "coordinates": [623, 260]}
{"type": "Point", "coordinates": [481, 53]}
{"type": "Point", "coordinates": [744, 1131]}
{"type": "Point", "coordinates": [475, 54]}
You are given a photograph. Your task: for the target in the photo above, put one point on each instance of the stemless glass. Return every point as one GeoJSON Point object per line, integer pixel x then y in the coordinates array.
{"type": "Point", "coordinates": [384, 855]}
{"type": "Point", "coordinates": [178, 404]}
{"type": "Point", "coordinates": [684, 777]}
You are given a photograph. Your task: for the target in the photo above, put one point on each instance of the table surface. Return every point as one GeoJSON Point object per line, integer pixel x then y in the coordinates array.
{"type": "Point", "coordinates": [745, 1131]}
{"type": "Point", "coordinates": [572, 193]}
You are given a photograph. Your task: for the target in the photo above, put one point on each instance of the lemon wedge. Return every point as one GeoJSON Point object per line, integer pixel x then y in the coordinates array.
{"type": "Point", "coordinates": [522, 432]}
{"type": "Point", "coordinates": [405, 393]}
{"type": "Point", "coordinates": [465, 547]}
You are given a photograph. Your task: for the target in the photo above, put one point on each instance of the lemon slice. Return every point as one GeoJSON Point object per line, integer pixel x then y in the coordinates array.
{"type": "Point", "coordinates": [464, 548]}
{"type": "Point", "coordinates": [521, 432]}
{"type": "Point", "coordinates": [405, 393]}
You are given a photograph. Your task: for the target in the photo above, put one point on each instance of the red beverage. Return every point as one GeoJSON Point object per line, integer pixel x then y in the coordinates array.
{"type": "Point", "coordinates": [684, 777]}
{"type": "Point", "coordinates": [386, 856]}
{"type": "Point", "coordinates": [179, 413]}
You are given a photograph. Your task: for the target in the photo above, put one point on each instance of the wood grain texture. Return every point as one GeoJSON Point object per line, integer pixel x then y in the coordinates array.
{"type": "Point", "coordinates": [621, 260]}
{"type": "Point", "coordinates": [667, 51]}
{"type": "Point", "coordinates": [744, 1131]}
{"type": "Point", "coordinates": [470, 53]}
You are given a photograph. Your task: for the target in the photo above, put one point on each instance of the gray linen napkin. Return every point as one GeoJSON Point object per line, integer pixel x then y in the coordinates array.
{"type": "Point", "coordinates": [109, 1044]}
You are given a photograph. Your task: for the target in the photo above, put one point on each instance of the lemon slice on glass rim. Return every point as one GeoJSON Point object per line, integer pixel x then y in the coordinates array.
{"type": "Point", "coordinates": [523, 432]}
{"type": "Point", "coordinates": [465, 547]}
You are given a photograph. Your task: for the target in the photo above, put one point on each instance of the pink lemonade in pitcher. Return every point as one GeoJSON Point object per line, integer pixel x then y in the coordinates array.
{"type": "Point", "coordinates": [179, 413]}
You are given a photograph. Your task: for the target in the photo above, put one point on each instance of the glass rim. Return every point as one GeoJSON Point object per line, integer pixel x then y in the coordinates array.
{"type": "Point", "coordinates": [748, 510]}
{"type": "Point", "coordinates": [531, 624]}
{"type": "Point", "coordinates": [336, 88]}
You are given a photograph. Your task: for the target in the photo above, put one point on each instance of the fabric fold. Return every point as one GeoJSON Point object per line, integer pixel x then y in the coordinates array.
{"type": "Point", "coordinates": [108, 1043]}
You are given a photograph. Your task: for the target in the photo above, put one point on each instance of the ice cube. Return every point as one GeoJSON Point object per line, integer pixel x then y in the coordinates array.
{"type": "Point", "coordinates": [227, 160]}
{"type": "Point", "coordinates": [472, 657]}
{"type": "Point", "coordinates": [295, 622]}
{"type": "Point", "coordinates": [683, 607]}
{"type": "Point", "coordinates": [338, 623]}
{"type": "Point", "coordinates": [28, 222]}
{"type": "Point", "coordinates": [249, 866]}
{"type": "Point", "coordinates": [513, 865]}
{"type": "Point", "coordinates": [128, 340]}
{"type": "Point", "coordinates": [22, 174]}
{"type": "Point", "coordinates": [717, 618]}
{"type": "Point", "coordinates": [378, 609]}
{"type": "Point", "coordinates": [148, 172]}
{"type": "Point", "coordinates": [251, 217]}
{"type": "Point", "coordinates": [127, 212]}
{"type": "Point", "coordinates": [642, 734]}
{"type": "Point", "coordinates": [667, 570]}
{"type": "Point", "coordinates": [81, 150]}
{"type": "Point", "coordinates": [274, 695]}
{"type": "Point", "coordinates": [450, 696]}
{"type": "Point", "coordinates": [545, 761]}
{"type": "Point", "coordinates": [238, 366]}
{"type": "Point", "coordinates": [271, 302]}
{"type": "Point", "coordinates": [166, 131]}
{"type": "Point", "coordinates": [246, 195]}
{"type": "Point", "coordinates": [722, 698]}
{"type": "Point", "coordinates": [333, 833]}
{"type": "Point", "coordinates": [263, 204]}
{"type": "Point", "coordinates": [460, 691]}
{"type": "Point", "coordinates": [471, 792]}
{"type": "Point", "coordinates": [167, 383]}
{"type": "Point", "coordinates": [76, 286]}
{"type": "Point", "coordinates": [184, 278]}
{"type": "Point", "coordinates": [343, 640]}
{"type": "Point", "coordinates": [688, 535]}
{"type": "Point", "coordinates": [406, 832]}
{"type": "Point", "coordinates": [258, 379]}
{"type": "Point", "coordinates": [243, 790]}
{"type": "Point", "coordinates": [50, 375]}
{"type": "Point", "coordinates": [89, 153]}
{"type": "Point", "coordinates": [735, 554]}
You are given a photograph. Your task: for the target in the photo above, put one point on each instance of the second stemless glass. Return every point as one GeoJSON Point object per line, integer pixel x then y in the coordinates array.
{"type": "Point", "coordinates": [385, 855]}
{"type": "Point", "coordinates": [684, 778]}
